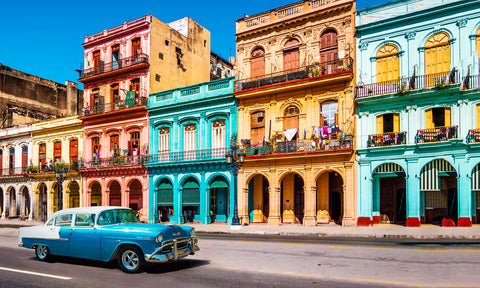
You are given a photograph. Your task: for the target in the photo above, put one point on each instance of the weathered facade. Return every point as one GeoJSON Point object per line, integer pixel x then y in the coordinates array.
{"type": "Point", "coordinates": [123, 65]}
{"type": "Point", "coordinates": [221, 68]}
{"type": "Point", "coordinates": [26, 98]}
{"type": "Point", "coordinates": [418, 105]}
{"type": "Point", "coordinates": [296, 114]}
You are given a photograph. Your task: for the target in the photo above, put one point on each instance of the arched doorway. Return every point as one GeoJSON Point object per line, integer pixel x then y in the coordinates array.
{"type": "Point", "coordinates": [257, 63]}
{"type": "Point", "coordinates": [219, 200]}
{"type": "Point", "coordinates": [115, 196]}
{"type": "Point", "coordinates": [42, 202]}
{"type": "Point", "coordinates": [258, 200]}
{"type": "Point", "coordinates": [165, 200]}
{"type": "Point", "coordinates": [292, 198]}
{"type": "Point", "coordinates": [136, 196]}
{"type": "Point", "coordinates": [190, 200]}
{"type": "Point", "coordinates": [12, 209]}
{"type": "Point", "coordinates": [26, 202]}
{"type": "Point", "coordinates": [96, 194]}
{"type": "Point", "coordinates": [438, 187]}
{"type": "Point", "coordinates": [389, 194]}
{"type": "Point", "coordinates": [329, 198]}
{"type": "Point", "coordinates": [74, 200]}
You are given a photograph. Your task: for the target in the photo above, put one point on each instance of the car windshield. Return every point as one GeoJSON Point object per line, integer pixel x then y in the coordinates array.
{"type": "Point", "coordinates": [117, 216]}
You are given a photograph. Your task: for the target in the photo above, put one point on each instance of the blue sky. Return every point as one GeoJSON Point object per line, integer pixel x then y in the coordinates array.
{"type": "Point", "coordinates": [44, 38]}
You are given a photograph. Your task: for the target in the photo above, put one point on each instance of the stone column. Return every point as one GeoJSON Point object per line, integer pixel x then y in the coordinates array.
{"type": "Point", "coordinates": [413, 194]}
{"type": "Point", "coordinates": [177, 216]}
{"type": "Point", "coordinates": [309, 196]}
{"type": "Point", "coordinates": [365, 195]}
{"type": "Point", "coordinates": [274, 215]}
{"type": "Point", "coordinates": [464, 194]}
{"type": "Point", "coordinates": [204, 200]}
{"type": "Point", "coordinates": [349, 195]}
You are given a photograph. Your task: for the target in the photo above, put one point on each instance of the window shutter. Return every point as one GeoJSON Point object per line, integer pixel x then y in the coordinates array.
{"type": "Point", "coordinates": [448, 121]}
{"type": "Point", "coordinates": [429, 119]}
{"type": "Point", "coordinates": [396, 123]}
{"type": "Point", "coordinates": [130, 148]}
{"type": "Point", "coordinates": [336, 119]}
{"type": "Point", "coordinates": [322, 120]}
{"type": "Point", "coordinates": [380, 124]}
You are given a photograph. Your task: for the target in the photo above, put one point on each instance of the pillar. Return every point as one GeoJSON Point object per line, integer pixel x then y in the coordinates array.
{"type": "Point", "coordinates": [464, 194]}
{"type": "Point", "coordinates": [177, 217]}
{"type": "Point", "coordinates": [204, 200]}
{"type": "Point", "coordinates": [413, 194]}
{"type": "Point", "coordinates": [365, 195]}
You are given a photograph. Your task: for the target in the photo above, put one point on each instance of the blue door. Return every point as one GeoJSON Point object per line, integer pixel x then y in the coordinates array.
{"type": "Point", "coordinates": [84, 237]}
{"type": "Point", "coordinates": [222, 204]}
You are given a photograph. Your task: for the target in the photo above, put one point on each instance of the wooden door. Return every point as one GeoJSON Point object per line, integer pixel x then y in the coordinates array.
{"type": "Point", "coordinates": [57, 151]}
{"type": "Point", "coordinates": [24, 156]}
{"type": "Point", "coordinates": [73, 150]}
{"type": "Point", "coordinates": [328, 52]}
{"type": "Point", "coordinates": [136, 49]}
{"type": "Point", "coordinates": [291, 55]}
{"type": "Point", "coordinates": [257, 63]}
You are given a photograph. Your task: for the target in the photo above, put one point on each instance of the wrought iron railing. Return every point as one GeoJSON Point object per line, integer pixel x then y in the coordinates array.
{"type": "Point", "coordinates": [51, 168]}
{"type": "Point", "coordinates": [387, 139]}
{"type": "Point", "coordinates": [473, 136]}
{"type": "Point", "coordinates": [438, 134]}
{"type": "Point", "coordinates": [115, 106]}
{"type": "Point", "coordinates": [403, 86]}
{"type": "Point", "coordinates": [204, 154]}
{"type": "Point", "coordinates": [470, 82]}
{"type": "Point", "coordinates": [314, 70]}
{"type": "Point", "coordinates": [115, 161]}
{"type": "Point", "coordinates": [114, 65]}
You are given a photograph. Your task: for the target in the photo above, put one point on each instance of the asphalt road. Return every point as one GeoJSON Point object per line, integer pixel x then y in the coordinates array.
{"type": "Point", "coordinates": [260, 261]}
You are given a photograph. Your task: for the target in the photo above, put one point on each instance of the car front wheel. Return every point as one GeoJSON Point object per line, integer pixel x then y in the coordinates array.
{"type": "Point", "coordinates": [130, 259]}
{"type": "Point", "coordinates": [42, 253]}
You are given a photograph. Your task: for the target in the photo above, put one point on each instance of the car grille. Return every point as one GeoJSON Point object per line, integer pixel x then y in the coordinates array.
{"type": "Point", "coordinates": [182, 243]}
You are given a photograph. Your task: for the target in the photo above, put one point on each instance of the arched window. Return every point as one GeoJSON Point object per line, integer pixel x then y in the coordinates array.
{"type": "Point", "coordinates": [257, 63]}
{"type": "Point", "coordinates": [387, 63]}
{"type": "Point", "coordinates": [328, 52]}
{"type": "Point", "coordinates": [437, 54]}
{"type": "Point", "coordinates": [114, 145]}
{"type": "Point", "coordinates": [291, 55]}
{"type": "Point", "coordinates": [164, 144]}
{"type": "Point", "coordinates": [329, 113]}
{"type": "Point", "coordinates": [218, 138]}
{"type": "Point", "coordinates": [24, 156]}
{"type": "Point", "coordinates": [190, 141]}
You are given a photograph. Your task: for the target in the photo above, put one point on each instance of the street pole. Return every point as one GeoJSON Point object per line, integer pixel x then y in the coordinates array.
{"type": "Point", "coordinates": [60, 195]}
{"type": "Point", "coordinates": [235, 160]}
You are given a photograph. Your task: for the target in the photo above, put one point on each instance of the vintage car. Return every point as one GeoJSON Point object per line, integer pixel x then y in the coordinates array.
{"type": "Point", "coordinates": [107, 234]}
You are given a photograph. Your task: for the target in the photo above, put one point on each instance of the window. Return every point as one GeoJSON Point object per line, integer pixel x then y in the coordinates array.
{"type": "Point", "coordinates": [96, 59]}
{"type": "Point", "coordinates": [136, 49]}
{"type": "Point", "coordinates": [291, 55]}
{"type": "Point", "coordinates": [11, 161]}
{"type": "Point", "coordinates": [135, 86]}
{"type": "Point", "coordinates": [85, 219]}
{"type": "Point", "coordinates": [328, 52]}
{"type": "Point", "coordinates": [63, 220]}
{"type": "Point", "coordinates": [115, 56]}
{"type": "Point", "coordinates": [437, 117]}
{"type": "Point", "coordinates": [329, 113]}
{"type": "Point", "coordinates": [73, 150]}
{"type": "Point", "coordinates": [1, 159]}
{"type": "Point", "coordinates": [117, 216]}
{"type": "Point", "coordinates": [164, 144]}
{"type": "Point", "coordinates": [167, 43]}
{"type": "Point", "coordinates": [179, 53]}
{"type": "Point", "coordinates": [290, 120]}
{"type": "Point", "coordinates": [218, 138]}
{"type": "Point", "coordinates": [114, 93]}
{"type": "Point", "coordinates": [96, 147]}
{"type": "Point", "coordinates": [388, 123]}
{"type": "Point", "coordinates": [190, 141]}
{"type": "Point", "coordinates": [57, 151]}
{"type": "Point", "coordinates": [257, 63]}
{"type": "Point", "coordinates": [114, 146]}
{"type": "Point", "coordinates": [134, 144]}
{"type": "Point", "coordinates": [24, 156]}
{"type": "Point", "coordinates": [257, 127]}
{"type": "Point", "coordinates": [387, 63]}
{"type": "Point", "coordinates": [437, 54]}
{"type": "Point", "coordinates": [42, 154]}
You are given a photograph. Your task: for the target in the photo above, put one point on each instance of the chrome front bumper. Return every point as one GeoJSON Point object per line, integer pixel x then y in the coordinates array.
{"type": "Point", "coordinates": [188, 246]}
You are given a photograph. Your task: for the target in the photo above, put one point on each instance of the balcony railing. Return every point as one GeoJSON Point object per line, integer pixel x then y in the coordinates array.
{"type": "Point", "coordinates": [114, 65]}
{"type": "Point", "coordinates": [403, 86]}
{"type": "Point", "coordinates": [205, 154]}
{"type": "Point", "coordinates": [115, 106]}
{"type": "Point", "coordinates": [473, 136]}
{"type": "Point", "coordinates": [12, 171]}
{"type": "Point", "coordinates": [438, 134]}
{"type": "Point", "coordinates": [387, 139]}
{"type": "Point", "coordinates": [314, 70]}
{"type": "Point", "coordinates": [114, 161]}
{"type": "Point", "coordinates": [51, 168]}
{"type": "Point", "coordinates": [470, 82]}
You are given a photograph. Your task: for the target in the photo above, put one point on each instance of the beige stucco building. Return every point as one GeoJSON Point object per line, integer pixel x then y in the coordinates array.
{"type": "Point", "coordinates": [296, 114]}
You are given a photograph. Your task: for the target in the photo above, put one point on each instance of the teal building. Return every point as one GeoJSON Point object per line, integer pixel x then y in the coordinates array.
{"type": "Point", "coordinates": [418, 114]}
{"type": "Point", "coordinates": [191, 130]}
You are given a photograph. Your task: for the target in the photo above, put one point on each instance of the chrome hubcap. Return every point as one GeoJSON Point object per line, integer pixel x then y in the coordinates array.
{"type": "Point", "coordinates": [42, 251]}
{"type": "Point", "coordinates": [130, 259]}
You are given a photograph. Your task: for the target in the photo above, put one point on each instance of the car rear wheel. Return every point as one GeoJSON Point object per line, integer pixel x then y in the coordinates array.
{"type": "Point", "coordinates": [130, 259]}
{"type": "Point", "coordinates": [42, 253]}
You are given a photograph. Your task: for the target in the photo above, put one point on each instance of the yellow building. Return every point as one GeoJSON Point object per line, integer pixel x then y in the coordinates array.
{"type": "Point", "coordinates": [296, 114]}
{"type": "Point", "coordinates": [57, 147]}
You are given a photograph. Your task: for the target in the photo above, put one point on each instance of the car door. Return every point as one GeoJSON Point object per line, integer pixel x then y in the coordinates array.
{"type": "Point", "coordinates": [84, 238]}
{"type": "Point", "coordinates": [62, 224]}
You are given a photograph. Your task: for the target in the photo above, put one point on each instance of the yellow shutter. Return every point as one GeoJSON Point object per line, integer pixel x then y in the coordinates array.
{"type": "Point", "coordinates": [380, 70]}
{"type": "Point", "coordinates": [478, 116]}
{"type": "Point", "coordinates": [380, 124]}
{"type": "Point", "coordinates": [394, 67]}
{"type": "Point", "coordinates": [396, 123]}
{"type": "Point", "coordinates": [445, 56]}
{"type": "Point", "coordinates": [428, 61]}
{"type": "Point", "coordinates": [448, 121]}
{"type": "Point", "coordinates": [429, 119]}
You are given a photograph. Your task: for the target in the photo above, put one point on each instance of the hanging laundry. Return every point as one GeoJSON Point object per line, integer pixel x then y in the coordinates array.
{"type": "Point", "coordinates": [290, 133]}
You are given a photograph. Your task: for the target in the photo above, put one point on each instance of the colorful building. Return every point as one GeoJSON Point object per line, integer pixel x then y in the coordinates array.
{"type": "Point", "coordinates": [418, 106]}
{"type": "Point", "coordinates": [57, 147]}
{"type": "Point", "coordinates": [15, 187]}
{"type": "Point", "coordinates": [191, 128]}
{"type": "Point", "coordinates": [122, 66]}
{"type": "Point", "coordinates": [296, 114]}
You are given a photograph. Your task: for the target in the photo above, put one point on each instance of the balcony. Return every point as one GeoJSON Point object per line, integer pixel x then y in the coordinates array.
{"type": "Point", "coordinates": [473, 136]}
{"type": "Point", "coordinates": [310, 71]}
{"type": "Point", "coordinates": [470, 82]}
{"type": "Point", "coordinates": [387, 139]}
{"type": "Point", "coordinates": [439, 134]}
{"type": "Point", "coordinates": [115, 67]}
{"type": "Point", "coordinates": [194, 155]}
{"type": "Point", "coordinates": [46, 168]}
{"type": "Point", "coordinates": [120, 161]}
{"type": "Point", "coordinates": [115, 106]}
{"type": "Point", "coordinates": [404, 86]}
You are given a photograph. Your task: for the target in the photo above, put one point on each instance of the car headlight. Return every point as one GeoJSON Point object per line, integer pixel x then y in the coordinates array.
{"type": "Point", "coordinates": [192, 233]}
{"type": "Point", "coordinates": [159, 238]}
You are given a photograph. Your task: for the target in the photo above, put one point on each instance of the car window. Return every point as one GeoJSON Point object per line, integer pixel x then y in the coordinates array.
{"type": "Point", "coordinates": [84, 219]}
{"type": "Point", "coordinates": [63, 220]}
{"type": "Point", "coordinates": [106, 218]}
{"type": "Point", "coordinates": [50, 222]}
{"type": "Point", "coordinates": [117, 216]}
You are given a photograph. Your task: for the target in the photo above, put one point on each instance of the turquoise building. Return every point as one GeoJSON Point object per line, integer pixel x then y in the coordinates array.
{"type": "Point", "coordinates": [418, 112]}
{"type": "Point", "coordinates": [191, 129]}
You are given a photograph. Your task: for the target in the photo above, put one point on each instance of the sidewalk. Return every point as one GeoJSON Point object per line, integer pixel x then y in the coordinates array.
{"type": "Point", "coordinates": [426, 232]}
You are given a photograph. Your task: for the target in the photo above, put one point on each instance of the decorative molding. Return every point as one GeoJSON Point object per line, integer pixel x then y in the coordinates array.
{"type": "Point", "coordinates": [411, 107]}
{"type": "Point", "coordinates": [410, 35]}
{"type": "Point", "coordinates": [363, 46]}
{"type": "Point", "coordinates": [462, 101]}
{"type": "Point", "coordinates": [421, 49]}
{"type": "Point", "coordinates": [473, 37]}
{"type": "Point", "coordinates": [462, 23]}
{"type": "Point", "coordinates": [362, 114]}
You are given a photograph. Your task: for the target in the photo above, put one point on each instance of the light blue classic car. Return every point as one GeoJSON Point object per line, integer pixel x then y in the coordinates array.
{"type": "Point", "coordinates": [107, 234]}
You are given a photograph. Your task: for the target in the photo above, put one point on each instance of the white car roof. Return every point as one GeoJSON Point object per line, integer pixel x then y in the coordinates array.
{"type": "Point", "coordinates": [92, 209]}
